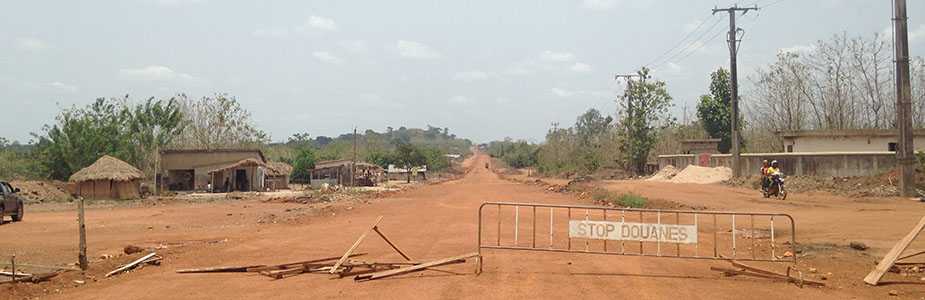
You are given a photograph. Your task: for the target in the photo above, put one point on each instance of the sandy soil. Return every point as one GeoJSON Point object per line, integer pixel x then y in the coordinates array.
{"type": "Point", "coordinates": [438, 221]}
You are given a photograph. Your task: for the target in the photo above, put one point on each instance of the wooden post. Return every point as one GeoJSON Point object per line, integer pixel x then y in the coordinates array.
{"type": "Point", "coordinates": [82, 231]}
{"type": "Point", "coordinates": [13, 264]}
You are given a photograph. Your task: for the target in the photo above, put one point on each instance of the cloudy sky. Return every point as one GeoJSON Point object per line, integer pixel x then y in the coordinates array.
{"type": "Point", "coordinates": [485, 69]}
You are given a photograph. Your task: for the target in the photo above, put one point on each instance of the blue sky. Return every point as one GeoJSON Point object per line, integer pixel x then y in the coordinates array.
{"type": "Point", "coordinates": [485, 69]}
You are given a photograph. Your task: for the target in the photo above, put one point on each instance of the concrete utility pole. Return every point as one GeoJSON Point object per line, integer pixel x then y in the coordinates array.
{"type": "Point", "coordinates": [904, 152]}
{"type": "Point", "coordinates": [734, 82]}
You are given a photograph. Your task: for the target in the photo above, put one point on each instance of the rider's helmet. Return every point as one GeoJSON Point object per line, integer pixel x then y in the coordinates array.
{"type": "Point", "coordinates": [774, 163]}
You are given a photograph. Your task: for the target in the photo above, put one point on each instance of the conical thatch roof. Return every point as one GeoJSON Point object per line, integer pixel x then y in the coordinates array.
{"type": "Point", "coordinates": [108, 168]}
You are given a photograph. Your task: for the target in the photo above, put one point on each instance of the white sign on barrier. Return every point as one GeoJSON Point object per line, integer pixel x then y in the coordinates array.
{"type": "Point", "coordinates": [625, 231]}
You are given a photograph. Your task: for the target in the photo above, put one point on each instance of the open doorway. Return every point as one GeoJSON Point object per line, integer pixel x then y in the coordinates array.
{"type": "Point", "coordinates": [240, 180]}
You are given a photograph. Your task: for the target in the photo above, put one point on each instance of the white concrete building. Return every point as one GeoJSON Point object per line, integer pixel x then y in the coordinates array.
{"type": "Point", "coordinates": [855, 140]}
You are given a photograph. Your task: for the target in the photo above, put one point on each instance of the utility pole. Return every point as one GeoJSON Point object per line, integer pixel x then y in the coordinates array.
{"type": "Point", "coordinates": [353, 168]}
{"type": "Point", "coordinates": [82, 237]}
{"type": "Point", "coordinates": [734, 82]}
{"type": "Point", "coordinates": [904, 153]}
{"type": "Point", "coordinates": [629, 86]}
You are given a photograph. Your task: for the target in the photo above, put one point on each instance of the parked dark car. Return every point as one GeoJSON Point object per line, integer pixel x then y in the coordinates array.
{"type": "Point", "coordinates": [11, 204]}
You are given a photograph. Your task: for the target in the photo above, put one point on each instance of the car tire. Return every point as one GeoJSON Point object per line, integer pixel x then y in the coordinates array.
{"type": "Point", "coordinates": [19, 213]}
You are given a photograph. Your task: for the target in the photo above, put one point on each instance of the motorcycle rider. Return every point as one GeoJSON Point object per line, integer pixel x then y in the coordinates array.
{"type": "Point", "coordinates": [765, 181]}
{"type": "Point", "coordinates": [773, 170]}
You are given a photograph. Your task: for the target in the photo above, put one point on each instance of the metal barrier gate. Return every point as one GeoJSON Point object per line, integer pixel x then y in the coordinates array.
{"type": "Point", "coordinates": [691, 234]}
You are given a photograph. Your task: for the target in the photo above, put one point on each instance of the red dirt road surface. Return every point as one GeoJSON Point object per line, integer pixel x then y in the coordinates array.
{"type": "Point", "coordinates": [437, 221]}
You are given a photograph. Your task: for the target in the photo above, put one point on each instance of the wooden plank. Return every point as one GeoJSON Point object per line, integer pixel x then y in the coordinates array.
{"type": "Point", "coordinates": [355, 245]}
{"type": "Point", "coordinates": [911, 255]}
{"type": "Point", "coordinates": [18, 274]}
{"type": "Point", "coordinates": [41, 266]}
{"type": "Point", "coordinates": [131, 264]}
{"type": "Point", "coordinates": [219, 269]}
{"type": "Point", "coordinates": [391, 244]}
{"type": "Point", "coordinates": [771, 273]}
{"type": "Point", "coordinates": [415, 268]}
{"type": "Point", "coordinates": [733, 272]}
{"type": "Point", "coordinates": [877, 273]}
{"type": "Point", "coordinates": [285, 265]}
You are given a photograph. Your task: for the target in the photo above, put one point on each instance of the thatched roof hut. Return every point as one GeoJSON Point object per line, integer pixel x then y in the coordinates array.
{"type": "Point", "coordinates": [108, 168]}
{"type": "Point", "coordinates": [276, 168]}
{"type": "Point", "coordinates": [250, 162]}
{"type": "Point", "coordinates": [108, 178]}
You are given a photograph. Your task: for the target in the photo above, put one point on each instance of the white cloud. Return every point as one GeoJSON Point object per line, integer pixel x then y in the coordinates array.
{"type": "Point", "coordinates": [273, 32]}
{"type": "Point", "coordinates": [692, 25]}
{"type": "Point", "coordinates": [355, 46]}
{"type": "Point", "coordinates": [471, 76]}
{"type": "Point", "coordinates": [599, 4]}
{"type": "Point", "coordinates": [562, 92]}
{"type": "Point", "coordinates": [917, 33]}
{"type": "Point", "coordinates": [672, 68]}
{"type": "Point", "coordinates": [460, 100]}
{"type": "Point", "coordinates": [581, 67]}
{"type": "Point", "coordinates": [557, 56]}
{"type": "Point", "coordinates": [321, 23]}
{"type": "Point", "coordinates": [327, 57]}
{"type": "Point", "coordinates": [70, 88]}
{"type": "Point", "coordinates": [176, 2]}
{"type": "Point", "coordinates": [798, 49]}
{"type": "Point", "coordinates": [31, 44]}
{"type": "Point", "coordinates": [503, 100]}
{"type": "Point", "coordinates": [416, 50]}
{"type": "Point", "coordinates": [565, 93]}
{"type": "Point", "coordinates": [155, 73]}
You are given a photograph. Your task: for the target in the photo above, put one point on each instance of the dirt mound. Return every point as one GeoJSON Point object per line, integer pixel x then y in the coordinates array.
{"type": "Point", "coordinates": [702, 175]}
{"type": "Point", "coordinates": [42, 191]}
{"type": "Point", "coordinates": [664, 174]}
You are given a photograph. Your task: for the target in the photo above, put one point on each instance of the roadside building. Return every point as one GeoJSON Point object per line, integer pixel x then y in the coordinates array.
{"type": "Point", "coordinates": [192, 170]}
{"type": "Point", "coordinates": [853, 140]}
{"type": "Point", "coordinates": [337, 172]}
{"type": "Point", "coordinates": [700, 146]}
{"type": "Point", "coordinates": [278, 175]}
{"type": "Point", "coordinates": [246, 175]}
{"type": "Point", "coordinates": [108, 178]}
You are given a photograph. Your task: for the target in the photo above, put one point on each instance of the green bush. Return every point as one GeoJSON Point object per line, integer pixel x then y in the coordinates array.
{"type": "Point", "coordinates": [631, 200]}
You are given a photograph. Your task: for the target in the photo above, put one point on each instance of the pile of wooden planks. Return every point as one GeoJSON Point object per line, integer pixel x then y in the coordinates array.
{"type": "Point", "coordinates": [343, 266]}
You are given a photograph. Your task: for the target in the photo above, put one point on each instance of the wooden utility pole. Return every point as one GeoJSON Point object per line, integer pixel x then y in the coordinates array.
{"type": "Point", "coordinates": [904, 151]}
{"type": "Point", "coordinates": [353, 168]}
{"type": "Point", "coordinates": [734, 82]}
{"type": "Point", "coordinates": [82, 231]}
{"type": "Point", "coordinates": [629, 86]}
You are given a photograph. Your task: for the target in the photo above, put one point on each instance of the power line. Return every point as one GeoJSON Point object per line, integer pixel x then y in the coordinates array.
{"type": "Point", "coordinates": [680, 42]}
{"type": "Point", "coordinates": [691, 44]}
{"type": "Point", "coordinates": [692, 50]}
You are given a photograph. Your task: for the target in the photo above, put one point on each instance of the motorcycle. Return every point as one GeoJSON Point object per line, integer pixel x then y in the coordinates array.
{"type": "Point", "coordinates": [776, 187]}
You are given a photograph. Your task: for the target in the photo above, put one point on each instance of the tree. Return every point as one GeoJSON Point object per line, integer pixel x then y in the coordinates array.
{"type": "Point", "coordinates": [715, 110]}
{"type": "Point", "coordinates": [218, 122]}
{"type": "Point", "coordinates": [153, 125]}
{"type": "Point", "coordinates": [645, 106]}
{"type": "Point", "coordinates": [409, 156]}
{"type": "Point", "coordinates": [303, 162]}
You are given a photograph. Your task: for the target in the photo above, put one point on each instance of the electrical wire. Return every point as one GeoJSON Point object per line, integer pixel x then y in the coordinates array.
{"type": "Point", "coordinates": [680, 42]}
{"type": "Point", "coordinates": [696, 43]}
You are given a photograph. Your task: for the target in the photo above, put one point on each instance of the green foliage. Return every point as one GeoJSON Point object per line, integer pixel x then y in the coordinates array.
{"type": "Point", "coordinates": [628, 199]}
{"type": "Point", "coordinates": [715, 111]}
{"type": "Point", "coordinates": [16, 162]}
{"type": "Point", "coordinates": [303, 162]}
{"type": "Point", "coordinates": [645, 110]}
{"type": "Point", "coordinates": [107, 127]}
{"type": "Point", "coordinates": [517, 154]}
{"type": "Point", "coordinates": [407, 155]}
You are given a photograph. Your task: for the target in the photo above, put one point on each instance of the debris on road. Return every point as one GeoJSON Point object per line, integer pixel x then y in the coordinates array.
{"type": "Point", "coordinates": [747, 270]}
{"type": "Point", "coordinates": [149, 258]}
{"type": "Point", "coordinates": [344, 265]}
{"type": "Point", "coordinates": [132, 249]}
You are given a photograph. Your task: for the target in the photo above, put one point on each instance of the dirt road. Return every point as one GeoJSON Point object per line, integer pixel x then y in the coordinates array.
{"type": "Point", "coordinates": [438, 221]}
